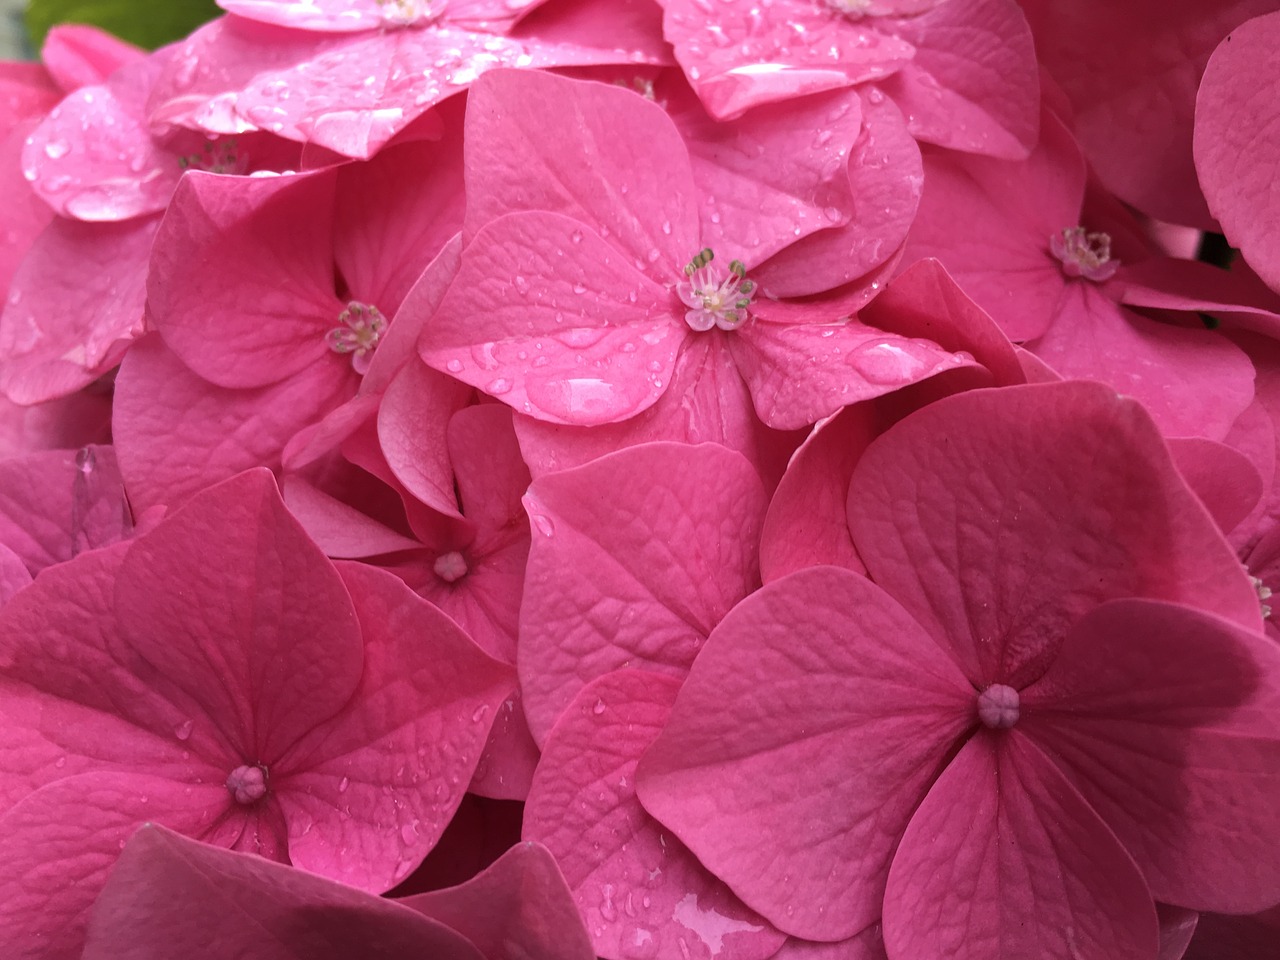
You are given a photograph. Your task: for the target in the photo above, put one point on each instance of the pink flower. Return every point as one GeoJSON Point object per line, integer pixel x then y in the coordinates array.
{"type": "Point", "coordinates": [1048, 705]}
{"type": "Point", "coordinates": [247, 693]}
{"type": "Point", "coordinates": [171, 895]}
{"type": "Point", "coordinates": [963, 71]}
{"type": "Point", "coordinates": [1235, 129]}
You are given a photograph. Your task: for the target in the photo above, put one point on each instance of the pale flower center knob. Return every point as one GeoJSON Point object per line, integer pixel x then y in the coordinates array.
{"type": "Point", "coordinates": [1084, 254]}
{"type": "Point", "coordinates": [998, 706]}
{"type": "Point", "coordinates": [411, 13]}
{"type": "Point", "coordinates": [248, 784]}
{"type": "Point", "coordinates": [360, 333]}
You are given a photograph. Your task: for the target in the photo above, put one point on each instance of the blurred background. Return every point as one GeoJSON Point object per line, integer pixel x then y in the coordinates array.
{"type": "Point", "coordinates": [12, 44]}
{"type": "Point", "coordinates": [148, 23]}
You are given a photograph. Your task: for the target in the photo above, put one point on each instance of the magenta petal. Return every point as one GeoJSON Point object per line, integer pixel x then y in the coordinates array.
{"type": "Point", "coordinates": [78, 55]}
{"type": "Point", "coordinates": [168, 895]}
{"type": "Point", "coordinates": [1235, 125]}
{"type": "Point", "coordinates": [973, 83]}
{"type": "Point", "coordinates": [637, 578]}
{"type": "Point", "coordinates": [13, 574]}
{"type": "Point", "coordinates": [75, 303]}
{"type": "Point", "coordinates": [1192, 382]}
{"type": "Point", "coordinates": [368, 793]}
{"type": "Point", "coordinates": [518, 125]}
{"type": "Point", "coordinates": [1235, 938]}
{"type": "Point", "coordinates": [821, 675]}
{"type": "Point", "coordinates": [241, 285]}
{"type": "Point", "coordinates": [412, 421]}
{"type": "Point", "coordinates": [340, 530]}
{"type": "Point", "coordinates": [1168, 721]}
{"type": "Point", "coordinates": [59, 844]}
{"type": "Point", "coordinates": [1029, 870]}
{"type": "Point", "coordinates": [885, 178]}
{"type": "Point", "coordinates": [1134, 530]}
{"type": "Point", "coordinates": [547, 317]}
{"type": "Point", "coordinates": [640, 892]}
{"type": "Point", "coordinates": [525, 892]}
{"type": "Point", "coordinates": [867, 945]}
{"type": "Point", "coordinates": [1225, 481]}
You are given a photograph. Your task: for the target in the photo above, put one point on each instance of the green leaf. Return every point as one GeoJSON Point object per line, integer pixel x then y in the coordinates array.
{"type": "Point", "coordinates": [148, 23]}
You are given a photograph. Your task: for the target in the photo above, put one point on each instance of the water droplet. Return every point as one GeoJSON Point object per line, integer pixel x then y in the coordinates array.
{"type": "Point", "coordinates": [576, 236]}
{"type": "Point", "coordinates": [498, 387]}
{"type": "Point", "coordinates": [480, 713]}
{"type": "Point", "coordinates": [579, 288]}
{"type": "Point", "coordinates": [60, 762]}
{"type": "Point", "coordinates": [56, 149]}
{"type": "Point", "coordinates": [454, 366]}
{"type": "Point", "coordinates": [544, 525]}
{"type": "Point", "coordinates": [522, 285]}
{"type": "Point", "coordinates": [183, 730]}
{"type": "Point", "coordinates": [409, 832]}
{"type": "Point", "coordinates": [598, 707]}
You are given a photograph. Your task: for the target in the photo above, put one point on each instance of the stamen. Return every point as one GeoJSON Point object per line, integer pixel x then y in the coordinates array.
{"type": "Point", "coordinates": [248, 784]}
{"type": "Point", "coordinates": [218, 156]}
{"type": "Point", "coordinates": [360, 333]}
{"type": "Point", "coordinates": [853, 9]}
{"type": "Point", "coordinates": [1264, 594]}
{"type": "Point", "coordinates": [450, 567]}
{"type": "Point", "coordinates": [411, 13]}
{"type": "Point", "coordinates": [1084, 254]}
{"type": "Point", "coordinates": [714, 299]}
{"type": "Point", "coordinates": [998, 706]}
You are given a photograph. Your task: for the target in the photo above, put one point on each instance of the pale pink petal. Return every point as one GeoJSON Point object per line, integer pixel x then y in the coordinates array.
{"type": "Point", "coordinates": [169, 894]}
{"type": "Point", "coordinates": [526, 893]}
{"type": "Point", "coordinates": [551, 320]}
{"type": "Point", "coordinates": [822, 676]}
{"type": "Point", "coordinates": [59, 845]}
{"type": "Point", "coordinates": [1029, 870]}
{"type": "Point", "coordinates": [1168, 722]}
{"type": "Point", "coordinates": [412, 423]}
{"type": "Point", "coordinates": [992, 541]}
{"type": "Point", "coordinates": [1235, 125]}
{"type": "Point", "coordinates": [639, 578]}
{"type": "Point", "coordinates": [973, 83]}
{"type": "Point", "coordinates": [74, 306]}
{"type": "Point", "coordinates": [340, 530]}
{"type": "Point", "coordinates": [739, 56]}
{"type": "Point", "coordinates": [368, 793]}
{"type": "Point", "coordinates": [1225, 481]}
{"type": "Point", "coordinates": [640, 891]}
{"type": "Point", "coordinates": [328, 16]}
{"type": "Point", "coordinates": [518, 125]}
{"type": "Point", "coordinates": [885, 179]}
{"type": "Point", "coordinates": [1194, 383]}
{"type": "Point", "coordinates": [77, 55]}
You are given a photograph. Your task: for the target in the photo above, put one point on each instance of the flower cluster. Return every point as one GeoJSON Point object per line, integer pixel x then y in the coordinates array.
{"type": "Point", "coordinates": [694, 480]}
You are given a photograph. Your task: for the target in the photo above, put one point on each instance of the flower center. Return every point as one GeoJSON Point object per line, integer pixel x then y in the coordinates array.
{"type": "Point", "coordinates": [361, 331]}
{"type": "Point", "coordinates": [411, 13]}
{"type": "Point", "coordinates": [217, 156]}
{"type": "Point", "coordinates": [998, 706]}
{"type": "Point", "coordinates": [715, 298]}
{"type": "Point", "coordinates": [248, 784]}
{"type": "Point", "coordinates": [1084, 254]}
{"type": "Point", "coordinates": [451, 566]}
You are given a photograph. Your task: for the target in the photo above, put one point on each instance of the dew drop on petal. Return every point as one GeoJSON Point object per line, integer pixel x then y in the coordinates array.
{"type": "Point", "coordinates": [454, 366]}
{"type": "Point", "coordinates": [183, 730]}
{"type": "Point", "coordinates": [598, 707]}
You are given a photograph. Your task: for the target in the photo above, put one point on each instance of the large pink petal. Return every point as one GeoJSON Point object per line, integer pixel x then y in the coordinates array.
{"type": "Point", "coordinates": [641, 894]}
{"type": "Point", "coordinates": [492, 477]}
{"type": "Point", "coordinates": [638, 578]}
{"type": "Point", "coordinates": [77, 698]}
{"type": "Point", "coordinates": [1134, 102]}
{"type": "Point", "coordinates": [1027, 870]}
{"type": "Point", "coordinates": [93, 157]}
{"type": "Point", "coordinates": [176, 433]}
{"type": "Point", "coordinates": [885, 179]}
{"type": "Point", "coordinates": [550, 319]}
{"type": "Point", "coordinates": [973, 83]}
{"type": "Point", "coordinates": [973, 514]}
{"type": "Point", "coordinates": [526, 893]}
{"type": "Point", "coordinates": [75, 304]}
{"type": "Point", "coordinates": [1193, 382]}
{"type": "Point", "coordinates": [809, 728]}
{"type": "Point", "coordinates": [627, 176]}
{"type": "Point", "coordinates": [368, 793]}
{"type": "Point", "coordinates": [258, 606]}
{"type": "Point", "coordinates": [168, 895]}
{"type": "Point", "coordinates": [77, 55]}
{"type": "Point", "coordinates": [1168, 721]}
{"type": "Point", "coordinates": [1236, 123]}
{"type": "Point", "coordinates": [59, 845]}
{"type": "Point", "coordinates": [241, 286]}
{"type": "Point", "coordinates": [738, 55]}
{"type": "Point", "coordinates": [25, 215]}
